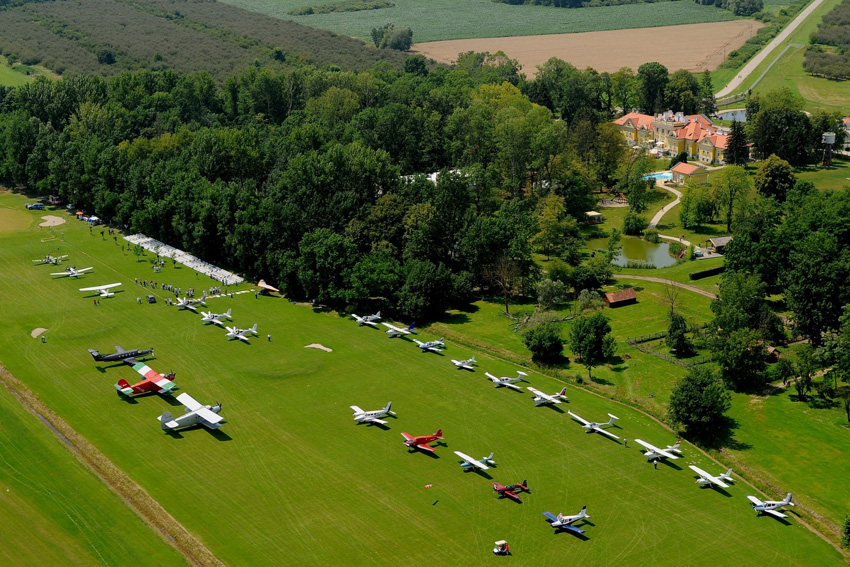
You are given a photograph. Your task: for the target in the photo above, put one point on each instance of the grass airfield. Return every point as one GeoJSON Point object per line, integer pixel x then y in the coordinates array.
{"type": "Point", "coordinates": [291, 479]}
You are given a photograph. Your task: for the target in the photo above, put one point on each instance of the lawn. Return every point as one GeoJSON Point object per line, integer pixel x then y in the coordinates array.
{"type": "Point", "coordinates": [290, 475]}
{"type": "Point", "coordinates": [828, 178]}
{"type": "Point", "coordinates": [10, 77]}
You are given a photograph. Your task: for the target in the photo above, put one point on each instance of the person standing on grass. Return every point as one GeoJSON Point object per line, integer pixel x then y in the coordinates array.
{"type": "Point", "coordinates": [655, 463]}
{"type": "Point", "coordinates": [270, 338]}
{"type": "Point", "coordinates": [626, 442]}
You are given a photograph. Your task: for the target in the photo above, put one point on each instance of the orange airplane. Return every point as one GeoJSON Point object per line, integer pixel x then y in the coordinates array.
{"type": "Point", "coordinates": [421, 441]}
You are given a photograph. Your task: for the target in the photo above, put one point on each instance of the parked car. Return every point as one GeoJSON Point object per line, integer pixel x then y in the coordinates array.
{"type": "Point", "coordinates": [151, 299]}
{"type": "Point", "coordinates": [35, 206]}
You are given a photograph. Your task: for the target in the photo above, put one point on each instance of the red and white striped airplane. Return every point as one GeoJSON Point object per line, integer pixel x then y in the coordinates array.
{"type": "Point", "coordinates": [153, 382]}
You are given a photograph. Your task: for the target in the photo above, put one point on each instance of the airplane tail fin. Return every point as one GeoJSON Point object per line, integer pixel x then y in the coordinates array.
{"type": "Point", "coordinates": [387, 409]}
{"type": "Point", "coordinates": [472, 359]}
{"type": "Point", "coordinates": [228, 313]}
{"type": "Point", "coordinates": [441, 339]}
{"type": "Point", "coordinates": [95, 354]}
{"type": "Point", "coordinates": [165, 418]}
{"type": "Point", "coordinates": [563, 393]}
{"type": "Point", "coordinates": [788, 499]}
{"type": "Point", "coordinates": [411, 326]}
{"type": "Point", "coordinates": [378, 314]}
{"type": "Point", "coordinates": [727, 475]}
{"type": "Point", "coordinates": [525, 483]}
{"type": "Point", "coordinates": [676, 446]}
{"type": "Point", "coordinates": [439, 433]}
{"type": "Point", "coordinates": [254, 328]}
{"type": "Point", "coordinates": [123, 383]}
{"type": "Point", "coordinates": [489, 457]}
{"type": "Point", "coordinates": [613, 417]}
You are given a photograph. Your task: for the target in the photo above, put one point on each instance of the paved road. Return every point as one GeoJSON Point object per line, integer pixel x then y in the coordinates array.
{"type": "Point", "coordinates": [660, 214]}
{"type": "Point", "coordinates": [762, 55]}
{"type": "Point", "coordinates": [669, 282]}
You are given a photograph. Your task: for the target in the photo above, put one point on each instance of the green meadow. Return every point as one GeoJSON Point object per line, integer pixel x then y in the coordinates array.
{"type": "Point", "coordinates": [290, 477]}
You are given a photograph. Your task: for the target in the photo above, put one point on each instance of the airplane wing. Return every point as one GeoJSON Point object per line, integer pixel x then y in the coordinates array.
{"type": "Point", "coordinates": [708, 477]}
{"type": "Point", "coordinates": [61, 274]}
{"type": "Point", "coordinates": [552, 517]}
{"type": "Point", "coordinates": [216, 322]}
{"type": "Point", "coordinates": [391, 327]}
{"type": "Point", "coordinates": [576, 417]}
{"type": "Point", "coordinates": [420, 343]}
{"type": "Point", "coordinates": [425, 447]}
{"type": "Point", "coordinates": [99, 287]}
{"type": "Point", "coordinates": [407, 436]}
{"type": "Point", "coordinates": [572, 529]}
{"type": "Point", "coordinates": [755, 500]}
{"type": "Point", "coordinates": [776, 513]}
{"type": "Point", "coordinates": [472, 462]}
{"type": "Point", "coordinates": [604, 432]}
{"type": "Point", "coordinates": [209, 416]}
{"type": "Point", "coordinates": [242, 338]}
{"type": "Point", "coordinates": [84, 270]}
{"type": "Point", "coordinates": [655, 449]}
{"type": "Point", "coordinates": [535, 391]}
{"type": "Point", "coordinates": [190, 402]}
{"type": "Point", "coordinates": [510, 494]}
{"type": "Point", "coordinates": [357, 409]}
{"type": "Point", "coordinates": [491, 377]}
{"type": "Point", "coordinates": [514, 386]}
{"type": "Point", "coordinates": [375, 420]}
{"type": "Point", "coordinates": [667, 454]}
{"type": "Point", "coordinates": [369, 323]}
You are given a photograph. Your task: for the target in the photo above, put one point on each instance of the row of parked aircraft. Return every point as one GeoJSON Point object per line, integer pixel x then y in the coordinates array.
{"type": "Point", "coordinates": [208, 317]}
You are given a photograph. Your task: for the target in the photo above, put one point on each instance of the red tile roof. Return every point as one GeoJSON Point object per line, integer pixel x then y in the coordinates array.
{"type": "Point", "coordinates": [641, 121]}
{"type": "Point", "coordinates": [685, 168]}
{"type": "Point", "coordinates": [620, 295]}
{"type": "Point", "coordinates": [717, 140]}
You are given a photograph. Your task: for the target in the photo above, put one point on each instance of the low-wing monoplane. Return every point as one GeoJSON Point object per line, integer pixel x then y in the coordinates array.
{"type": "Point", "coordinates": [55, 260]}
{"type": "Point", "coordinates": [394, 331]}
{"type": "Point", "coordinates": [653, 452]}
{"type": "Point", "coordinates": [706, 479]}
{"type": "Point", "coordinates": [215, 318]}
{"type": "Point", "coordinates": [421, 441]}
{"type": "Point", "coordinates": [498, 382]}
{"type": "Point", "coordinates": [195, 414]}
{"type": "Point", "coordinates": [361, 416]}
{"type": "Point", "coordinates": [562, 522]}
{"type": "Point", "coordinates": [431, 346]}
{"type": "Point", "coordinates": [186, 303]}
{"type": "Point", "coordinates": [153, 382]}
{"type": "Point", "coordinates": [591, 426]}
{"type": "Point", "coordinates": [121, 355]}
{"type": "Point", "coordinates": [771, 507]}
{"type": "Point", "coordinates": [510, 490]}
{"type": "Point", "coordinates": [367, 319]}
{"type": "Point", "coordinates": [102, 290]}
{"type": "Point", "coordinates": [467, 364]}
{"type": "Point", "coordinates": [241, 334]}
{"type": "Point", "coordinates": [541, 399]}
{"type": "Point", "coordinates": [72, 272]}
{"type": "Point", "coordinates": [469, 463]}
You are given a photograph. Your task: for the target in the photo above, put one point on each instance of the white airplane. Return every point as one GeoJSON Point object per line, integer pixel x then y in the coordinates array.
{"type": "Point", "coordinates": [72, 272]}
{"type": "Point", "coordinates": [507, 380]}
{"type": "Point", "coordinates": [186, 303]}
{"type": "Point", "coordinates": [234, 333]}
{"type": "Point", "coordinates": [394, 331]}
{"type": "Point", "coordinates": [542, 399]}
{"type": "Point", "coordinates": [55, 260]}
{"type": "Point", "coordinates": [468, 463]}
{"type": "Point", "coordinates": [656, 453]}
{"type": "Point", "coordinates": [367, 319]}
{"type": "Point", "coordinates": [591, 426]}
{"type": "Point", "coordinates": [195, 413]}
{"type": "Point", "coordinates": [771, 506]}
{"type": "Point", "coordinates": [467, 364]}
{"type": "Point", "coordinates": [361, 416]}
{"type": "Point", "coordinates": [433, 346]}
{"type": "Point", "coordinates": [215, 318]}
{"type": "Point", "coordinates": [103, 290]}
{"type": "Point", "coordinates": [706, 479]}
{"type": "Point", "coordinates": [561, 522]}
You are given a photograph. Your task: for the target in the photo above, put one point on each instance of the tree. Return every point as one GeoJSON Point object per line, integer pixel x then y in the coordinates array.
{"type": "Point", "coordinates": [775, 178]}
{"type": "Point", "coordinates": [737, 149]}
{"type": "Point", "coordinates": [652, 81]}
{"type": "Point", "coordinates": [806, 367]}
{"type": "Point", "coordinates": [624, 87]}
{"type": "Point", "coordinates": [550, 293]}
{"type": "Point", "coordinates": [742, 358]}
{"type": "Point", "coordinates": [683, 93]}
{"type": "Point", "coordinates": [544, 341]}
{"type": "Point", "coordinates": [741, 304]}
{"type": "Point", "coordinates": [426, 290]}
{"type": "Point", "coordinates": [779, 127]}
{"type": "Point", "coordinates": [634, 224]}
{"type": "Point", "coordinates": [730, 185]}
{"type": "Point", "coordinates": [138, 251]}
{"type": "Point", "coordinates": [708, 104]}
{"type": "Point", "coordinates": [699, 401]}
{"type": "Point", "coordinates": [504, 273]}
{"type": "Point", "coordinates": [591, 342]}
{"type": "Point", "coordinates": [677, 336]}
{"type": "Point", "coordinates": [399, 39]}
{"type": "Point", "coordinates": [845, 528]}
{"type": "Point", "coordinates": [552, 222]}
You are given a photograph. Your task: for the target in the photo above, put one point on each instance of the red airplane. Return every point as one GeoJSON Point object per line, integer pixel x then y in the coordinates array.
{"type": "Point", "coordinates": [153, 382]}
{"type": "Point", "coordinates": [511, 490]}
{"type": "Point", "coordinates": [421, 442]}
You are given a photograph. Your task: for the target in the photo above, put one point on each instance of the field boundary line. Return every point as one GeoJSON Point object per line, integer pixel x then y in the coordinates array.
{"type": "Point", "coordinates": [134, 496]}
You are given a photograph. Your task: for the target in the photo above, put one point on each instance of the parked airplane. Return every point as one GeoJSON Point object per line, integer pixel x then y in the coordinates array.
{"type": "Point", "coordinates": [771, 507]}
{"type": "Point", "coordinates": [394, 331]}
{"type": "Point", "coordinates": [511, 489]}
{"type": "Point", "coordinates": [103, 290]}
{"type": "Point", "coordinates": [367, 319]}
{"type": "Point", "coordinates": [507, 380]}
{"type": "Point", "coordinates": [126, 356]}
{"type": "Point", "coordinates": [433, 346]}
{"type": "Point", "coordinates": [464, 364]}
{"type": "Point", "coordinates": [195, 414]}
{"type": "Point", "coordinates": [656, 453]}
{"type": "Point", "coordinates": [421, 441]}
{"type": "Point", "coordinates": [361, 416]}
{"type": "Point", "coordinates": [234, 333]}
{"type": "Point", "coordinates": [706, 479]}
{"type": "Point", "coordinates": [215, 318]}
{"type": "Point", "coordinates": [72, 272]}
{"type": "Point", "coordinates": [186, 303]}
{"type": "Point", "coordinates": [55, 260]}
{"type": "Point", "coordinates": [591, 426]}
{"type": "Point", "coordinates": [153, 382]}
{"type": "Point", "coordinates": [468, 463]}
{"type": "Point", "coordinates": [561, 522]}
{"type": "Point", "coordinates": [541, 399]}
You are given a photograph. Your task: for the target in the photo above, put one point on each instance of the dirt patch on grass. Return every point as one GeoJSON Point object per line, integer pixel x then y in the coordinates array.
{"type": "Point", "coordinates": [13, 221]}
{"type": "Point", "coordinates": [320, 347]}
{"type": "Point", "coordinates": [51, 220]}
{"type": "Point", "coordinates": [36, 332]}
{"type": "Point", "coordinates": [695, 47]}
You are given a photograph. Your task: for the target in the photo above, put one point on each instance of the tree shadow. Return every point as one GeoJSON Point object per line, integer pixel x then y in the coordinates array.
{"type": "Point", "coordinates": [722, 435]}
{"type": "Point", "coordinates": [455, 319]}
{"type": "Point", "coordinates": [601, 381]}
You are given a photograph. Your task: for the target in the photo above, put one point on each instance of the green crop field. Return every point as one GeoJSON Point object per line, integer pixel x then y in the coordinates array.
{"type": "Point", "coordinates": [291, 478]}
{"type": "Point", "coordinates": [435, 20]}
{"type": "Point", "coordinates": [10, 77]}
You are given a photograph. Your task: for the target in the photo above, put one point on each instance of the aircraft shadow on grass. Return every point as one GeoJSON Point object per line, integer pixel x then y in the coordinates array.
{"type": "Point", "coordinates": [582, 537]}
{"type": "Point", "coordinates": [555, 408]}
{"type": "Point", "coordinates": [479, 472]}
{"type": "Point", "coordinates": [96, 295]}
{"type": "Point", "coordinates": [716, 489]}
{"type": "Point", "coordinates": [134, 400]}
{"type": "Point", "coordinates": [218, 434]}
{"type": "Point", "coordinates": [669, 464]}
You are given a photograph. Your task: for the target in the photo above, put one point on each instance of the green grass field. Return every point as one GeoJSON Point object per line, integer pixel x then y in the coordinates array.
{"type": "Point", "coordinates": [435, 20]}
{"type": "Point", "coordinates": [10, 77]}
{"type": "Point", "coordinates": [290, 475]}
{"type": "Point", "coordinates": [831, 178]}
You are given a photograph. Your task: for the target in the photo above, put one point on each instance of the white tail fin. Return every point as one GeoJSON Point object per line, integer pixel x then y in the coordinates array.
{"type": "Point", "coordinates": [676, 446]}
{"type": "Point", "coordinates": [563, 392]}
{"type": "Point", "coordinates": [471, 359]}
{"type": "Point", "coordinates": [165, 418]}
{"type": "Point", "coordinates": [228, 313]}
{"type": "Point", "coordinates": [254, 328]}
{"type": "Point", "coordinates": [489, 457]}
{"type": "Point", "coordinates": [387, 409]}
{"type": "Point", "coordinates": [788, 499]}
{"type": "Point", "coordinates": [612, 416]}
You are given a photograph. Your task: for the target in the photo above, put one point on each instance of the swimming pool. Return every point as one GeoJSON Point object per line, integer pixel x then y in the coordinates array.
{"type": "Point", "coordinates": [660, 175]}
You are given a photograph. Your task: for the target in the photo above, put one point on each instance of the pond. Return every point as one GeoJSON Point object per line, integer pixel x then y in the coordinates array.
{"type": "Point", "coordinates": [738, 114]}
{"type": "Point", "coordinates": [639, 250]}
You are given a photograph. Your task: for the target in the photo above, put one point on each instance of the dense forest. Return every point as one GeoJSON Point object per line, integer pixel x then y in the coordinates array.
{"type": "Point", "coordinates": [829, 53]}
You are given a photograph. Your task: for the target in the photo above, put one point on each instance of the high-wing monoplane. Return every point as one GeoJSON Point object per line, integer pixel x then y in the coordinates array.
{"type": "Point", "coordinates": [541, 399]}
{"type": "Point", "coordinates": [195, 414]}
{"type": "Point", "coordinates": [121, 355]}
{"type": "Point", "coordinates": [470, 463]}
{"type": "Point", "coordinates": [102, 290]}
{"type": "Point", "coordinates": [153, 382]}
{"type": "Point", "coordinates": [367, 319]}
{"type": "Point", "coordinates": [361, 416]}
{"type": "Point", "coordinates": [653, 452]}
{"type": "Point", "coordinates": [467, 364]}
{"type": "Point", "coordinates": [421, 441]}
{"type": "Point", "coordinates": [562, 522]}
{"type": "Point", "coordinates": [55, 260]}
{"type": "Point", "coordinates": [215, 318]}
{"type": "Point", "coordinates": [771, 507]}
{"type": "Point", "coordinates": [498, 382]}
{"type": "Point", "coordinates": [186, 303]}
{"type": "Point", "coordinates": [591, 426]}
{"type": "Point", "coordinates": [394, 331]}
{"type": "Point", "coordinates": [72, 272]}
{"type": "Point", "coordinates": [510, 490]}
{"type": "Point", "coordinates": [431, 346]}
{"type": "Point", "coordinates": [241, 334]}
{"type": "Point", "coordinates": [706, 479]}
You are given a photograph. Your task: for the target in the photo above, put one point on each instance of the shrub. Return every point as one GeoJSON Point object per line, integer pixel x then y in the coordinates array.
{"type": "Point", "coordinates": [651, 235]}
{"type": "Point", "coordinates": [634, 224]}
{"type": "Point", "coordinates": [545, 342]}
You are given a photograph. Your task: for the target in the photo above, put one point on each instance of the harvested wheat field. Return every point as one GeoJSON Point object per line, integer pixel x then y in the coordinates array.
{"type": "Point", "coordinates": [695, 47]}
